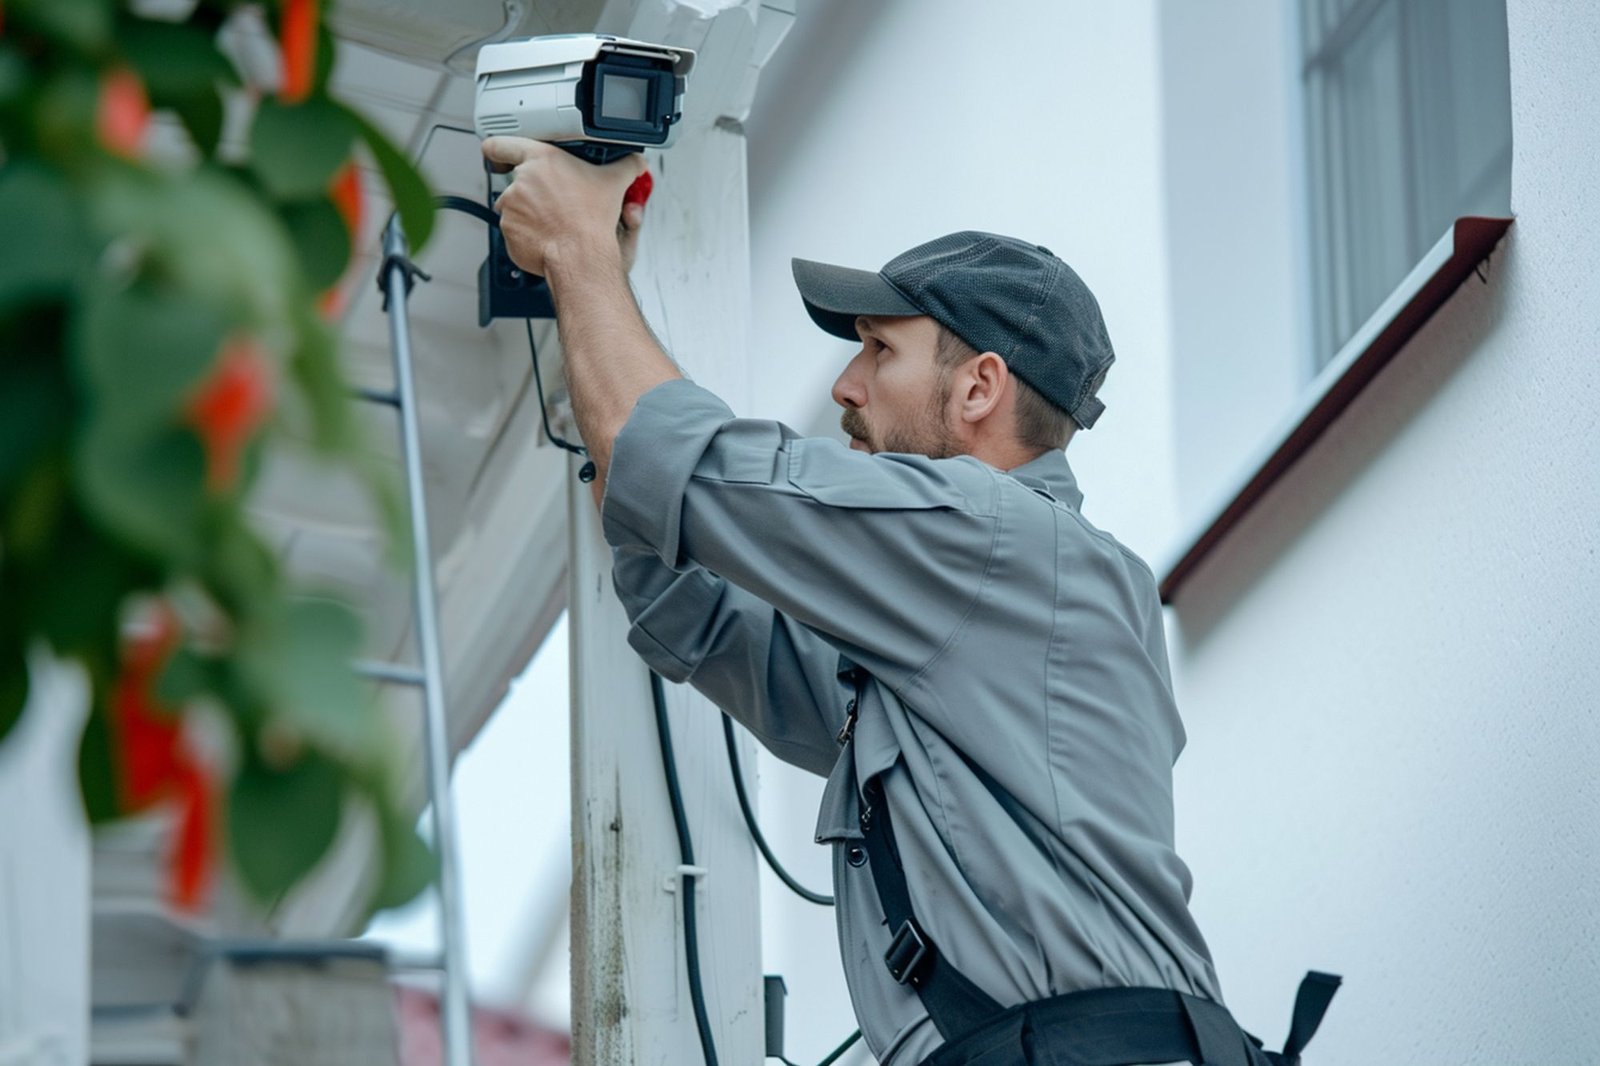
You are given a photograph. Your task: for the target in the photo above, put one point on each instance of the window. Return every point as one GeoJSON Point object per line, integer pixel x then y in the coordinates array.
{"type": "Point", "coordinates": [1408, 118]}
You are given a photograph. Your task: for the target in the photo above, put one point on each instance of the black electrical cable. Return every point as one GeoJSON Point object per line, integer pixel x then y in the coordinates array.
{"type": "Point", "coordinates": [468, 207]}
{"type": "Point", "coordinates": [691, 944]}
{"type": "Point", "coordinates": [755, 829]}
{"type": "Point", "coordinates": [833, 1056]}
{"type": "Point", "coordinates": [586, 472]}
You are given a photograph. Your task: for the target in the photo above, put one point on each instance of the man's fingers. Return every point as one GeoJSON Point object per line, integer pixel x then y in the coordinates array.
{"type": "Point", "coordinates": [509, 151]}
{"type": "Point", "coordinates": [627, 169]}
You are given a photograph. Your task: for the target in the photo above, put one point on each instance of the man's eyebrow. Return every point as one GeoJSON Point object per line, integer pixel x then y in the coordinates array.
{"type": "Point", "coordinates": [864, 328]}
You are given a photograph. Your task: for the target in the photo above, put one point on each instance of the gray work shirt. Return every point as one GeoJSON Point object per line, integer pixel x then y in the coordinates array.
{"type": "Point", "coordinates": [1018, 708]}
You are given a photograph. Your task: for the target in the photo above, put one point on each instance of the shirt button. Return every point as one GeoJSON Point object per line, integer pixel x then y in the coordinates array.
{"type": "Point", "coordinates": [855, 855]}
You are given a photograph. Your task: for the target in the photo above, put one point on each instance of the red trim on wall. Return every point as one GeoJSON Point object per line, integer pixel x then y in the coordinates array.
{"type": "Point", "coordinates": [1474, 239]}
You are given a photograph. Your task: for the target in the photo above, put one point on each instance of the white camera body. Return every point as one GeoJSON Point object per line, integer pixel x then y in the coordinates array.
{"type": "Point", "coordinates": [596, 95]}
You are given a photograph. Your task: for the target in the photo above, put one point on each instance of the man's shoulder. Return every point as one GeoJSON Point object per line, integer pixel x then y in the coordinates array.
{"type": "Point", "coordinates": [833, 474]}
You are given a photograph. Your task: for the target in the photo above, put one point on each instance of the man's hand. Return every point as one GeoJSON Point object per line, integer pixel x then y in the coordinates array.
{"type": "Point", "coordinates": [557, 205]}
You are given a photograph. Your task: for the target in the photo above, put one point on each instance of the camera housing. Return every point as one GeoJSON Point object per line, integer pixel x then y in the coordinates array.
{"type": "Point", "coordinates": [599, 97]}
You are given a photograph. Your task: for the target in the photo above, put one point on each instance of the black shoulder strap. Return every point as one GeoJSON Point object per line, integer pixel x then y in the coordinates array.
{"type": "Point", "coordinates": [956, 1005]}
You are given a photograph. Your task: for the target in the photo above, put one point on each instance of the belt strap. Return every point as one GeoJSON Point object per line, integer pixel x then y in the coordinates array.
{"type": "Point", "coordinates": [956, 1005]}
{"type": "Point", "coordinates": [1106, 1027]}
{"type": "Point", "coordinates": [1310, 1004]}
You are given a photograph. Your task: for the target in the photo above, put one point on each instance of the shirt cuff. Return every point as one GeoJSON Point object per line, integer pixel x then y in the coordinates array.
{"type": "Point", "coordinates": [651, 463]}
{"type": "Point", "coordinates": [673, 633]}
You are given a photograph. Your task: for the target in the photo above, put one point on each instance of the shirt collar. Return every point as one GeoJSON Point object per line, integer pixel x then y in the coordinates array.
{"type": "Point", "coordinates": [1050, 473]}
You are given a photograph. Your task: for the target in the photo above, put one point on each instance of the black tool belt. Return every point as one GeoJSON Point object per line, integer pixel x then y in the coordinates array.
{"type": "Point", "coordinates": [1097, 1027]}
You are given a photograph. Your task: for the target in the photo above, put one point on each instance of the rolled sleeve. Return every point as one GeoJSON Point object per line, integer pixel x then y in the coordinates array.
{"type": "Point", "coordinates": [883, 556]}
{"type": "Point", "coordinates": [778, 679]}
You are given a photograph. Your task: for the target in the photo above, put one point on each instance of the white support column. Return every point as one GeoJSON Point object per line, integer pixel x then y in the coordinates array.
{"type": "Point", "coordinates": [630, 995]}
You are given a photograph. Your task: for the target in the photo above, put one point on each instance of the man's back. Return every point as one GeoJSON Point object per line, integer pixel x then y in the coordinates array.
{"type": "Point", "coordinates": [1012, 694]}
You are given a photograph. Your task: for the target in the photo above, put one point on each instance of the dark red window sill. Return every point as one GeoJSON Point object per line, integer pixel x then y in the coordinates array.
{"type": "Point", "coordinates": [1440, 273]}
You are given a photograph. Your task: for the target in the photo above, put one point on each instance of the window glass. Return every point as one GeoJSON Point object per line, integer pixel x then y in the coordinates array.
{"type": "Point", "coordinates": [1408, 116]}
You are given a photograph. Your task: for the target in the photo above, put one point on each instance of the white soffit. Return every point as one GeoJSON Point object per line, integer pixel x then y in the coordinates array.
{"type": "Point", "coordinates": [434, 32]}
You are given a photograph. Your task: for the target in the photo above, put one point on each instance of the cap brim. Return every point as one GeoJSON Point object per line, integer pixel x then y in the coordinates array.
{"type": "Point", "coordinates": [835, 296]}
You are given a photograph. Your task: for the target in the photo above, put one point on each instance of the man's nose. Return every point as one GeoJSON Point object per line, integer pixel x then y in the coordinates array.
{"type": "Point", "coordinates": [847, 391]}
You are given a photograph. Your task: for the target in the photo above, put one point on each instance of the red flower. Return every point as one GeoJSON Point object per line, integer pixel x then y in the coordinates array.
{"type": "Point", "coordinates": [347, 195]}
{"type": "Point", "coordinates": [122, 113]}
{"type": "Point", "coordinates": [297, 36]}
{"type": "Point", "coordinates": [193, 855]}
{"type": "Point", "coordinates": [153, 764]}
{"type": "Point", "coordinates": [147, 736]}
{"type": "Point", "coordinates": [345, 190]}
{"type": "Point", "coordinates": [229, 406]}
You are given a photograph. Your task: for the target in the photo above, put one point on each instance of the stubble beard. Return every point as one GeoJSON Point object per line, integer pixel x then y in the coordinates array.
{"type": "Point", "coordinates": [929, 436]}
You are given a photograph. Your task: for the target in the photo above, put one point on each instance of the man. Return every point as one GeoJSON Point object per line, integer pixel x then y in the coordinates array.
{"type": "Point", "coordinates": [925, 618]}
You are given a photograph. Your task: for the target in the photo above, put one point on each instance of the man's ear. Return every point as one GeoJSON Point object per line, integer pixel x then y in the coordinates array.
{"type": "Point", "coordinates": [982, 385]}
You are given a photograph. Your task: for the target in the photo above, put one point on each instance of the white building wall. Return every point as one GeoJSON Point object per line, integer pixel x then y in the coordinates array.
{"type": "Point", "coordinates": [884, 123]}
{"type": "Point", "coordinates": [44, 875]}
{"type": "Point", "coordinates": [1232, 141]}
{"type": "Point", "coordinates": [1389, 671]}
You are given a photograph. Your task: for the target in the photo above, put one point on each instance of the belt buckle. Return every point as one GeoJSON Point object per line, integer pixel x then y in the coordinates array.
{"type": "Point", "coordinates": [907, 951]}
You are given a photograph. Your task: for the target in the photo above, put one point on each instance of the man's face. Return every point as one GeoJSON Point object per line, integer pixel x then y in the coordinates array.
{"type": "Point", "coordinates": [895, 395]}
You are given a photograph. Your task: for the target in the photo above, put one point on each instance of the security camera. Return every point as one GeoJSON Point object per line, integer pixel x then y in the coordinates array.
{"type": "Point", "coordinates": [597, 96]}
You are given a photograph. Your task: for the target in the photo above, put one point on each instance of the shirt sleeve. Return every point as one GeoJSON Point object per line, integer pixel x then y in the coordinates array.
{"type": "Point", "coordinates": [882, 556]}
{"type": "Point", "coordinates": [775, 677]}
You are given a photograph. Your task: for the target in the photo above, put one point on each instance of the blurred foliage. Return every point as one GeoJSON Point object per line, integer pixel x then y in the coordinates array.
{"type": "Point", "coordinates": [163, 304]}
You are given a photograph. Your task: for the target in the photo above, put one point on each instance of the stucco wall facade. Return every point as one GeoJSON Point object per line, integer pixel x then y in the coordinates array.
{"type": "Point", "coordinates": [1389, 672]}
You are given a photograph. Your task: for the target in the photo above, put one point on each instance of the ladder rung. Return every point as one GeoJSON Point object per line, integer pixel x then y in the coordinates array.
{"type": "Point", "coordinates": [388, 399]}
{"type": "Point", "coordinates": [415, 962]}
{"type": "Point", "coordinates": [393, 673]}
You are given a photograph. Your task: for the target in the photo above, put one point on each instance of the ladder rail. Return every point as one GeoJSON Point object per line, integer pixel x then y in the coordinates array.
{"type": "Point", "coordinates": [455, 1017]}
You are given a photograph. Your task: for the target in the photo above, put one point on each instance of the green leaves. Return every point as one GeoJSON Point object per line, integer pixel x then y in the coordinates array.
{"type": "Point", "coordinates": [145, 487]}
{"type": "Point", "coordinates": [182, 70]}
{"type": "Point", "coordinates": [175, 60]}
{"type": "Point", "coordinates": [315, 366]}
{"type": "Point", "coordinates": [35, 406]}
{"type": "Point", "coordinates": [411, 196]}
{"type": "Point", "coordinates": [295, 149]}
{"type": "Point", "coordinates": [303, 659]}
{"type": "Point", "coordinates": [13, 683]}
{"type": "Point", "coordinates": [159, 329]}
{"type": "Point", "coordinates": [408, 865]}
{"type": "Point", "coordinates": [204, 235]}
{"type": "Point", "coordinates": [97, 773]}
{"type": "Point", "coordinates": [84, 25]}
{"type": "Point", "coordinates": [282, 821]}
{"type": "Point", "coordinates": [42, 233]}
{"type": "Point", "coordinates": [320, 239]}
{"type": "Point", "coordinates": [141, 353]}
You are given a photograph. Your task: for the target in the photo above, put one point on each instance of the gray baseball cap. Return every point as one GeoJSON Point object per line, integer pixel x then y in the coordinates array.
{"type": "Point", "coordinates": [998, 294]}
